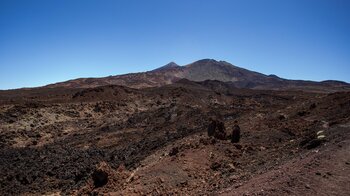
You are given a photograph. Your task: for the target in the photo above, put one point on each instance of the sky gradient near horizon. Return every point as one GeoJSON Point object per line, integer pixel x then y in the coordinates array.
{"type": "Point", "coordinates": [44, 42]}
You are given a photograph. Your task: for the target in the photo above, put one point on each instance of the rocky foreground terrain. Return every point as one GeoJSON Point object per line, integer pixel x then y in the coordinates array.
{"type": "Point", "coordinates": [124, 141]}
{"type": "Point", "coordinates": [116, 140]}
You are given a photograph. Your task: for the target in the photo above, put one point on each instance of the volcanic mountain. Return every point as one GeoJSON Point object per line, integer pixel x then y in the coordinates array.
{"type": "Point", "coordinates": [202, 70]}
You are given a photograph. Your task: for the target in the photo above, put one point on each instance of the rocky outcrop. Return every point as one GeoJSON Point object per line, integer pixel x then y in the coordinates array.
{"type": "Point", "coordinates": [217, 129]}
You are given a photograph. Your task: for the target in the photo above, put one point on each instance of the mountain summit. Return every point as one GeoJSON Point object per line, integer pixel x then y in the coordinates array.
{"type": "Point", "coordinates": [171, 65]}
{"type": "Point", "coordinates": [202, 70]}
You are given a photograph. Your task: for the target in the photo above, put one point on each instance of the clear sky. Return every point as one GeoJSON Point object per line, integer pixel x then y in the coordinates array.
{"type": "Point", "coordinates": [47, 41]}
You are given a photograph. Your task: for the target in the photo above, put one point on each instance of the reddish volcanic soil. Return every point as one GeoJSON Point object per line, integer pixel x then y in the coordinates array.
{"type": "Point", "coordinates": [117, 140]}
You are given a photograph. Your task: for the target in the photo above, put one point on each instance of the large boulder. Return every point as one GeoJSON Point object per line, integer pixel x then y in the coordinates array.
{"type": "Point", "coordinates": [217, 129]}
{"type": "Point", "coordinates": [100, 178]}
{"type": "Point", "coordinates": [236, 134]}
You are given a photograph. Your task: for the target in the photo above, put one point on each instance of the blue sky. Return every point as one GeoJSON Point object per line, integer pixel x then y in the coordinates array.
{"type": "Point", "coordinates": [47, 41]}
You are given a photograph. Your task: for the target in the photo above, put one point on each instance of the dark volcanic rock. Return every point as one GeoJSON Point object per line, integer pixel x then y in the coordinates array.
{"type": "Point", "coordinates": [236, 134]}
{"type": "Point", "coordinates": [100, 178]}
{"type": "Point", "coordinates": [217, 129]}
{"type": "Point", "coordinates": [174, 151]}
{"type": "Point", "coordinates": [313, 144]}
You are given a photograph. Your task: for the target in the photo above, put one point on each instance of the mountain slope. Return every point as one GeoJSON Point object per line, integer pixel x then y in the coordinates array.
{"type": "Point", "coordinates": [206, 69]}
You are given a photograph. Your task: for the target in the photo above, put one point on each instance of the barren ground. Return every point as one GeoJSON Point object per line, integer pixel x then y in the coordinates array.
{"type": "Point", "coordinates": [154, 141]}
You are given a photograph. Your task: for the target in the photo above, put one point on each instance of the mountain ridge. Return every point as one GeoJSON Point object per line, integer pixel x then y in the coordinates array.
{"type": "Point", "coordinates": [202, 70]}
